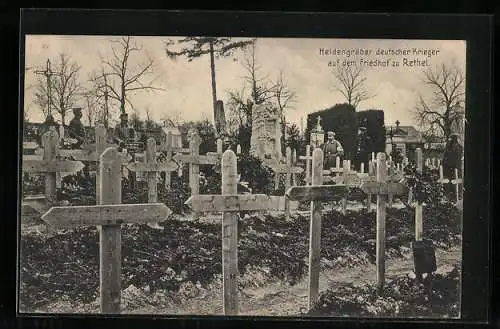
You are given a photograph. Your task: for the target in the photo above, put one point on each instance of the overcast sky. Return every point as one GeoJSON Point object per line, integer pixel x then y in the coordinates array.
{"type": "Point", "coordinates": [187, 84]}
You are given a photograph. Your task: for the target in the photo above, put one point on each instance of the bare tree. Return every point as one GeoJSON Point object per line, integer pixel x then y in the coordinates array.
{"type": "Point", "coordinates": [351, 84]}
{"type": "Point", "coordinates": [91, 107]}
{"type": "Point", "coordinates": [172, 120]}
{"type": "Point", "coordinates": [119, 78]}
{"type": "Point", "coordinates": [65, 87]}
{"type": "Point", "coordinates": [196, 47]}
{"type": "Point", "coordinates": [437, 114]}
{"type": "Point", "coordinates": [261, 87]}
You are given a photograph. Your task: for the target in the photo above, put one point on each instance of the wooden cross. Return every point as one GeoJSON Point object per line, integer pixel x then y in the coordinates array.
{"type": "Point", "coordinates": [456, 182]}
{"type": "Point", "coordinates": [315, 194]}
{"type": "Point", "coordinates": [382, 188]}
{"type": "Point", "coordinates": [418, 206]}
{"type": "Point", "coordinates": [288, 169]}
{"type": "Point", "coordinates": [170, 149]}
{"type": "Point", "coordinates": [50, 165]}
{"type": "Point", "coordinates": [152, 167]}
{"type": "Point", "coordinates": [229, 204]}
{"type": "Point", "coordinates": [108, 216]}
{"type": "Point", "coordinates": [195, 160]}
{"type": "Point", "coordinates": [307, 158]}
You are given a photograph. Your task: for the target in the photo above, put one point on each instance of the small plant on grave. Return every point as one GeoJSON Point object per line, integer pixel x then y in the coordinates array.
{"type": "Point", "coordinates": [425, 186]}
{"type": "Point", "coordinates": [176, 195]}
{"type": "Point", "coordinates": [254, 177]}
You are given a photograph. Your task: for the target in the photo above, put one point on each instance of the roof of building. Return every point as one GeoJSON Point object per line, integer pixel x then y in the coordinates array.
{"type": "Point", "coordinates": [409, 133]}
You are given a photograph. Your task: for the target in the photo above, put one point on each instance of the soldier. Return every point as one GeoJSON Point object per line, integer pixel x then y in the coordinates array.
{"type": "Point", "coordinates": [76, 129]}
{"type": "Point", "coordinates": [121, 132]}
{"type": "Point", "coordinates": [331, 149]}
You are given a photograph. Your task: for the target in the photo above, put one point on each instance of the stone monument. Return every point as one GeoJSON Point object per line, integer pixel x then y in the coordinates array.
{"type": "Point", "coordinates": [265, 142]}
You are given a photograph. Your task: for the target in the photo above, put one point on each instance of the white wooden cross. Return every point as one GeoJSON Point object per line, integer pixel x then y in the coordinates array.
{"type": "Point", "coordinates": [308, 159]}
{"type": "Point", "coordinates": [152, 167]}
{"type": "Point", "coordinates": [194, 159]}
{"type": "Point", "coordinates": [287, 168]}
{"type": "Point", "coordinates": [108, 216]}
{"type": "Point", "coordinates": [50, 165]}
{"type": "Point", "coordinates": [230, 203]}
{"type": "Point", "coordinates": [457, 181]}
{"type": "Point", "coordinates": [382, 188]}
{"type": "Point", "coordinates": [315, 194]}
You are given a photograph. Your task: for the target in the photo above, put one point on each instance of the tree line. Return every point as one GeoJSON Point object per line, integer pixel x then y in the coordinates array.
{"type": "Point", "coordinates": [112, 86]}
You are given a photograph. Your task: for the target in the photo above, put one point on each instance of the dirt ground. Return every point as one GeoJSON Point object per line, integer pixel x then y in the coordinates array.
{"type": "Point", "coordinates": [271, 299]}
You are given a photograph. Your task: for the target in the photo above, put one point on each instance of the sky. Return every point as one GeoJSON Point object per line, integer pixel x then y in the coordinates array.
{"type": "Point", "coordinates": [187, 85]}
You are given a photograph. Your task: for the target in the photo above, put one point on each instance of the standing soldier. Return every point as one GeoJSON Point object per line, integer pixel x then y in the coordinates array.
{"type": "Point", "coordinates": [121, 132]}
{"type": "Point", "coordinates": [331, 149]}
{"type": "Point", "coordinates": [76, 129]}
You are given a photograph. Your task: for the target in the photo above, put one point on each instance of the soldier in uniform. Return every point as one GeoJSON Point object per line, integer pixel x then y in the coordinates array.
{"type": "Point", "coordinates": [121, 132]}
{"type": "Point", "coordinates": [76, 129]}
{"type": "Point", "coordinates": [331, 149]}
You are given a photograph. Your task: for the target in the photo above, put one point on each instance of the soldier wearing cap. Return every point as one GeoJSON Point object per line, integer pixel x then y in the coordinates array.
{"type": "Point", "coordinates": [76, 129]}
{"type": "Point", "coordinates": [121, 132]}
{"type": "Point", "coordinates": [331, 149]}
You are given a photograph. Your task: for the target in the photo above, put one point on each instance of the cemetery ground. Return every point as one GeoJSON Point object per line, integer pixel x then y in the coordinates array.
{"type": "Point", "coordinates": [177, 270]}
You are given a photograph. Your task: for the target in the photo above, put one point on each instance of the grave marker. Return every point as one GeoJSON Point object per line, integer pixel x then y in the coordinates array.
{"type": "Point", "coordinates": [382, 188]}
{"type": "Point", "coordinates": [108, 215]}
{"type": "Point", "coordinates": [50, 165]}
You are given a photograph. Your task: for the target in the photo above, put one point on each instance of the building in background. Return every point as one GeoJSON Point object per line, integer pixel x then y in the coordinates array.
{"type": "Point", "coordinates": [404, 138]}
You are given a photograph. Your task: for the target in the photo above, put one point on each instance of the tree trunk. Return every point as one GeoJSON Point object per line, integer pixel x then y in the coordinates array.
{"type": "Point", "coordinates": [212, 71]}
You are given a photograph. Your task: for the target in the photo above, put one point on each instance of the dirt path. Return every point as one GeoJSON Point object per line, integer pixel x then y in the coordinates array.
{"type": "Point", "coordinates": [278, 299]}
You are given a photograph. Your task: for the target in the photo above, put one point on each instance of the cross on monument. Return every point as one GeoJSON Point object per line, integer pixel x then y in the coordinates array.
{"type": "Point", "coordinates": [108, 215]}
{"type": "Point", "coordinates": [230, 203]}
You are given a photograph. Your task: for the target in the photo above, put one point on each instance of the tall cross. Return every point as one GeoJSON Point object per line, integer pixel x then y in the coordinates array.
{"type": "Point", "coordinates": [230, 203]}
{"type": "Point", "coordinates": [48, 74]}
{"type": "Point", "coordinates": [108, 215]}
{"type": "Point", "coordinates": [382, 188]}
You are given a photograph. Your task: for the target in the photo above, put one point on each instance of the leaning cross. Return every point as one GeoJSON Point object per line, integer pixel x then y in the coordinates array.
{"type": "Point", "coordinates": [382, 188]}
{"type": "Point", "coordinates": [108, 215]}
{"type": "Point", "coordinates": [229, 204]}
{"type": "Point", "coordinates": [50, 165]}
{"type": "Point", "coordinates": [315, 193]}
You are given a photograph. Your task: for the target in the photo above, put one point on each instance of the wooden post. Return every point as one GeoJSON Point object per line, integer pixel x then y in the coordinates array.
{"type": "Point", "coordinates": [238, 149]}
{"type": "Point", "coordinates": [168, 174]}
{"type": "Point", "coordinates": [371, 172]}
{"type": "Point", "coordinates": [49, 143]}
{"type": "Point", "coordinates": [194, 168]}
{"type": "Point", "coordinates": [152, 175]}
{"type": "Point", "coordinates": [220, 147]}
{"type": "Point", "coordinates": [345, 167]}
{"type": "Point", "coordinates": [288, 177]}
{"type": "Point", "coordinates": [100, 143]}
{"type": "Point", "coordinates": [380, 244]}
{"type": "Point", "coordinates": [110, 235]}
{"type": "Point", "coordinates": [457, 181]}
{"type": "Point", "coordinates": [362, 169]}
{"type": "Point", "coordinates": [308, 159]}
{"type": "Point", "coordinates": [315, 229]}
{"type": "Point", "coordinates": [294, 162]}
{"type": "Point", "coordinates": [418, 205]}
{"type": "Point", "coordinates": [230, 236]}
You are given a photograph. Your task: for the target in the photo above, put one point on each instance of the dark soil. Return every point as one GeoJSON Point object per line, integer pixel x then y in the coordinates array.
{"type": "Point", "coordinates": [401, 297]}
{"type": "Point", "coordinates": [66, 264]}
